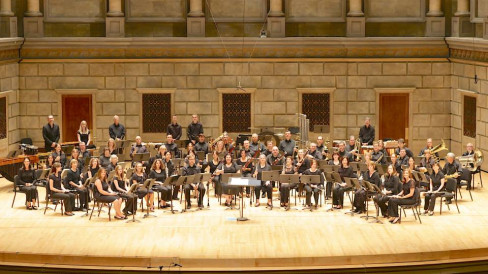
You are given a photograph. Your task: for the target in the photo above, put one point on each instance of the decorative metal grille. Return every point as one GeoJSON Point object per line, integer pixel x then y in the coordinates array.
{"type": "Point", "coordinates": [317, 108]}
{"type": "Point", "coordinates": [156, 112]}
{"type": "Point", "coordinates": [236, 112]}
{"type": "Point", "coordinates": [469, 116]}
{"type": "Point", "coordinates": [3, 117]}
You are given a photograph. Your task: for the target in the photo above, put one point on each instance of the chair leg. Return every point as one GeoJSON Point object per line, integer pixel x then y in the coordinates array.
{"type": "Point", "coordinates": [404, 213]}
{"type": "Point", "coordinates": [440, 211]}
{"type": "Point", "coordinates": [93, 209]}
{"type": "Point", "coordinates": [460, 194]}
{"type": "Point", "coordinates": [469, 190]}
{"type": "Point", "coordinates": [13, 201]}
{"type": "Point", "coordinates": [109, 208]}
{"type": "Point", "coordinates": [455, 200]}
{"type": "Point", "coordinates": [414, 215]}
{"type": "Point", "coordinates": [56, 206]}
{"type": "Point", "coordinates": [47, 204]}
{"type": "Point", "coordinates": [62, 207]}
{"type": "Point", "coordinates": [418, 214]}
{"type": "Point", "coordinates": [481, 181]}
{"type": "Point", "coordinates": [100, 205]}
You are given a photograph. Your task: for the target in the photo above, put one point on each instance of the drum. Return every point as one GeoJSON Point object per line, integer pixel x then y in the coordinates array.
{"type": "Point", "coordinates": [29, 149]}
{"type": "Point", "coordinates": [366, 149]}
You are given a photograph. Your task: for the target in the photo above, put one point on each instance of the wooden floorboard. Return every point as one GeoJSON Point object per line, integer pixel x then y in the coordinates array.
{"type": "Point", "coordinates": [213, 240]}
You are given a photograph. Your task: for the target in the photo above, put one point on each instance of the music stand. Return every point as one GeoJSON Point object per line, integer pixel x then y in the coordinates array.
{"type": "Point", "coordinates": [289, 179]}
{"type": "Point", "coordinates": [171, 181]}
{"type": "Point", "coordinates": [243, 183]}
{"type": "Point", "coordinates": [111, 175]}
{"type": "Point", "coordinates": [271, 176]}
{"type": "Point", "coordinates": [181, 143]}
{"type": "Point", "coordinates": [354, 166]}
{"type": "Point", "coordinates": [277, 167]}
{"type": "Point", "coordinates": [327, 168]}
{"type": "Point", "coordinates": [201, 155]}
{"type": "Point", "coordinates": [363, 167]}
{"type": "Point", "coordinates": [141, 157]}
{"type": "Point", "coordinates": [356, 186]}
{"type": "Point", "coordinates": [322, 163]}
{"type": "Point", "coordinates": [378, 191]}
{"type": "Point", "coordinates": [379, 168]}
{"type": "Point", "coordinates": [206, 178]}
{"type": "Point", "coordinates": [224, 180]}
{"type": "Point", "coordinates": [132, 192]}
{"type": "Point", "coordinates": [369, 192]}
{"type": "Point", "coordinates": [148, 184]}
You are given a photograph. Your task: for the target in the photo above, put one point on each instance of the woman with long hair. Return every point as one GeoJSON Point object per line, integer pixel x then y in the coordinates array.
{"type": "Point", "coordinates": [26, 178]}
{"type": "Point", "coordinates": [84, 135]}
{"type": "Point", "coordinates": [407, 196]}
{"type": "Point", "coordinates": [104, 194]}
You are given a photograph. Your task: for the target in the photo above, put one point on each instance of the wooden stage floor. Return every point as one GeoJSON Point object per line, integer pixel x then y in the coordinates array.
{"type": "Point", "coordinates": [213, 240]}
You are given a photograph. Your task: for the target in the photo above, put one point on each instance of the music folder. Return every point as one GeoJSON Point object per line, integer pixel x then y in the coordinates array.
{"type": "Point", "coordinates": [148, 183]}
{"type": "Point", "coordinates": [132, 188]}
{"type": "Point", "coordinates": [235, 181]}
{"type": "Point", "coordinates": [44, 174]}
{"type": "Point", "coordinates": [169, 180]}
{"type": "Point", "coordinates": [141, 157]}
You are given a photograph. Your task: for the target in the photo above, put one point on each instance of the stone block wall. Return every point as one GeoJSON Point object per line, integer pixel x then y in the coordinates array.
{"type": "Point", "coordinates": [276, 97]}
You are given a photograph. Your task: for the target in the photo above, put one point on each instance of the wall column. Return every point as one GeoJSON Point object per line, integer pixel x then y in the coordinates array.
{"type": "Point", "coordinates": [8, 22]}
{"type": "Point", "coordinates": [462, 8]}
{"type": "Point", "coordinates": [276, 20]}
{"type": "Point", "coordinates": [196, 8]}
{"type": "Point", "coordinates": [6, 8]}
{"type": "Point", "coordinates": [115, 8]}
{"type": "Point", "coordinates": [356, 23]}
{"type": "Point", "coordinates": [195, 22]}
{"type": "Point", "coordinates": [115, 21]}
{"type": "Point", "coordinates": [461, 23]}
{"type": "Point", "coordinates": [355, 8]}
{"type": "Point", "coordinates": [435, 8]}
{"type": "Point", "coordinates": [33, 9]}
{"type": "Point", "coordinates": [276, 8]}
{"type": "Point", "coordinates": [435, 22]}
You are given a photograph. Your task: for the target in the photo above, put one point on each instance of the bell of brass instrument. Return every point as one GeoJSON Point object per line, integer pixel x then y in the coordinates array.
{"type": "Point", "coordinates": [440, 147]}
{"type": "Point", "coordinates": [471, 162]}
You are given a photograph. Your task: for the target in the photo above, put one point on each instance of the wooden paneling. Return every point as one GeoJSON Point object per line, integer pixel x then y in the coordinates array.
{"type": "Point", "coordinates": [394, 115]}
{"type": "Point", "coordinates": [76, 108]}
{"type": "Point", "coordinates": [3, 117]}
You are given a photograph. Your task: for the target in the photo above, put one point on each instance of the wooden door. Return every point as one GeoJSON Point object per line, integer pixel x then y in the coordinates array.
{"type": "Point", "coordinates": [76, 108]}
{"type": "Point", "coordinates": [393, 116]}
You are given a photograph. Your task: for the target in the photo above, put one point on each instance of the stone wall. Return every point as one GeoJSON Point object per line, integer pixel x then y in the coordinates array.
{"type": "Point", "coordinates": [276, 98]}
{"type": "Point", "coordinates": [9, 84]}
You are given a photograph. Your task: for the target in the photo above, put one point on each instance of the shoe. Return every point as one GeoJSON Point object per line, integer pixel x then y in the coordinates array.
{"type": "Point", "coordinates": [69, 214]}
{"type": "Point", "coordinates": [431, 213]}
{"type": "Point", "coordinates": [257, 204]}
{"type": "Point", "coordinates": [263, 195]}
{"type": "Point", "coordinates": [28, 207]}
{"type": "Point", "coordinates": [119, 217]}
{"type": "Point", "coordinates": [188, 206]}
{"type": "Point", "coordinates": [175, 199]}
{"type": "Point", "coordinates": [76, 209]}
{"type": "Point", "coordinates": [396, 221]}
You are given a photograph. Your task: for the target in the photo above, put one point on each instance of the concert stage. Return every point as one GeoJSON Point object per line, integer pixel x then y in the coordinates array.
{"type": "Point", "coordinates": [212, 240]}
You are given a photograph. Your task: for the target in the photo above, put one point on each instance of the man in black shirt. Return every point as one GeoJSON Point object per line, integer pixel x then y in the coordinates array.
{"type": "Point", "coordinates": [377, 156]}
{"type": "Point", "coordinates": [201, 145]}
{"type": "Point", "coordinates": [192, 169]}
{"type": "Point", "coordinates": [454, 170]}
{"type": "Point", "coordinates": [274, 159]}
{"type": "Point", "coordinates": [321, 148]}
{"type": "Point", "coordinates": [174, 129]}
{"type": "Point", "coordinates": [269, 148]}
{"type": "Point", "coordinates": [402, 158]}
{"type": "Point", "coordinates": [84, 153]}
{"type": "Point", "coordinates": [117, 130]}
{"type": "Point", "coordinates": [287, 146]}
{"type": "Point", "coordinates": [401, 144]}
{"type": "Point", "coordinates": [247, 148]}
{"type": "Point", "coordinates": [313, 153]}
{"type": "Point", "coordinates": [343, 153]}
{"type": "Point", "coordinates": [138, 147]}
{"type": "Point", "coordinates": [195, 128]}
{"type": "Point", "coordinates": [429, 147]}
{"type": "Point", "coordinates": [366, 133]}
{"type": "Point", "coordinates": [171, 146]}
{"type": "Point", "coordinates": [255, 145]}
{"type": "Point", "coordinates": [50, 133]}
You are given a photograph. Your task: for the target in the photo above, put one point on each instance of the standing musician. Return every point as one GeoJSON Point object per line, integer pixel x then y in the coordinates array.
{"type": "Point", "coordinates": [288, 168]}
{"type": "Point", "coordinates": [73, 182]}
{"type": "Point", "coordinates": [266, 187]}
{"type": "Point", "coordinates": [255, 145]}
{"type": "Point", "coordinates": [84, 134]}
{"type": "Point", "coordinates": [397, 165]}
{"type": "Point", "coordinates": [50, 133]}
{"type": "Point", "coordinates": [117, 130]}
{"type": "Point", "coordinates": [193, 169]}
{"type": "Point", "coordinates": [452, 169]}
{"type": "Point", "coordinates": [313, 153]}
{"type": "Point", "coordinates": [228, 166]}
{"type": "Point", "coordinates": [269, 148]}
{"type": "Point", "coordinates": [315, 188]}
{"type": "Point", "coordinates": [287, 146]}
{"type": "Point", "coordinates": [245, 161]}
{"type": "Point", "coordinates": [59, 192]}
{"type": "Point", "coordinates": [59, 155]}
{"type": "Point", "coordinates": [171, 146]}
{"type": "Point", "coordinates": [428, 147]}
{"type": "Point", "coordinates": [302, 163]}
{"type": "Point", "coordinates": [194, 129]}
{"type": "Point", "coordinates": [138, 147]}
{"type": "Point", "coordinates": [407, 196]}
{"type": "Point", "coordinates": [159, 174]}
{"type": "Point", "coordinates": [377, 156]}
{"type": "Point", "coordinates": [336, 159]}
{"type": "Point", "coordinates": [138, 177]}
{"type": "Point", "coordinates": [391, 186]}
{"type": "Point", "coordinates": [360, 196]}
{"type": "Point", "coordinates": [437, 186]}
{"type": "Point", "coordinates": [345, 171]}
{"type": "Point", "coordinates": [26, 180]}
{"type": "Point", "coordinates": [174, 129]}
{"type": "Point", "coordinates": [401, 145]}
{"type": "Point", "coordinates": [343, 153]}
{"type": "Point", "coordinates": [105, 157]}
{"type": "Point", "coordinates": [321, 148]}
{"type": "Point", "coordinates": [119, 185]}
{"type": "Point", "coordinates": [104, 193]}
{"type": "Point", "coordinates": [275, 158]}
{"type": "Point", "coordinates": [366, 133]}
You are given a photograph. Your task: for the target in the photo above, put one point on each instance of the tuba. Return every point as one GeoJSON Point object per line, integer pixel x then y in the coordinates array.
{"type": "Point", "coordinates": [440, 147]}
{"type": "Point", "coordinates": [471, 162]}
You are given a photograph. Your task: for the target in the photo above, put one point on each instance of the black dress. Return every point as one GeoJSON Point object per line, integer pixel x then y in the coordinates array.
{"type": "Point", "coordinates": [67, 197]}
{"type": "Point", "coordinates": [338, 191]}
{"type": "Point", "coordinates": [27, 177]}
{"type": "Point", "coordinates": [104, 198]}
{"type": "Point", "coordinates": [391, 184]}
{"type": "Point", "coordinates": [84, 138]}
{"type": "Point", "coordinates": [130, 199]}
{"type": "Point", "coordinates": [141, 191]}
{"type": "Point", "coordinates": [395, 202]}
{"type": "Point", "coordinates": [247, 173]}
{"type": "Point", "coordinates": [228, 169]}
{"type": "Point", "coordinates": [285, 188]}
{"type": "Point", "coordinates": [360, 195]}
{"type": "Point", "coordinates": [164, 190]}
{"type": "Point", "coordinates": [74, 176]}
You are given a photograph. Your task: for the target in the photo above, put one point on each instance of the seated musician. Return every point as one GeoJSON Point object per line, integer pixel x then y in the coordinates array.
{"type": "Point", "coordinates": [437, 186]}
{"type": "Point", "coordinates": [84, 135]}
{"type": "Point", "coordinates": [266, 187]}
{"type": "Point", "coordinates": [75, 155]}
{"type": "Point", "coordinates": [425, 164]}
{"type": "Point", "coordinates": [321, 148]}
{"type": "Point", "coordinates": [275, 158]}
{"type": "Point", "coordinates": [73, 181]}
{"type": "Point", "coordinates": [228, 166]}
{"type": "Point", "coordinates": [139, 177]}
{"type": "Point", "coordinates": [191, 152]}
{"type": "Point", "coordinates": [336, 159]}
{"type": "Point", "coordinates": [452, 169]}
{"type": "Point", "coordinates": [391, 186]}
{"type": "Point", "coordinates": [255, 145]}
{"type": "Point", "coordinates": [302, 163]}
{"type": "Point", "coordinates": [351, 144]}
{"type": "Point", "coordinates": [397, 165]}
{"type": "Point", "coordinates": [428, 147]}
{"type": "Point", "coordinates": [469, 152]}
{"type": "Point", "coordinates": [93, 168]}
{"type": "Point", "coordinates": [119, 185]}
{"type": "Point", "coordinates": [59, 155]}
{"type": "Point", "coordinates": [105, 158]}
{"type": "Point", "coordinates": [229, 146]}
{"type": "Point", "coordinates": [104, 194]}
{"type": "Point", "coordinates": [84, 153]}
{"type": "Point", "coordinates": [220, 149]}
{"type": "Point", "coordinates": [403, 158]}
{"type": "Point", "coordinates": [367, 158]}
{"type": "Point", "coordinates": [411, 164]}
{"type": "Point", "coordinates": [269, 148]}
{"type": "Point", "coordinates": [360, 196]}
{"type": "Point", "coordinates": [26, 181]}
{"type": "Point", "coordinates": [401, 145]}
{"type": "Point", "coordinates": [246, 163]}
{"type": "Point", "coordinates": [313, 153]}
{"type": "Point", "coordinates": [138, 147]}
{"type": "Point", "coordinates": [114, 160]}
{"type": "Point", "coordinates": [50, 134]}
{"type": "Point", "coordinates": [407, 196]}
{"type": "Point", "coordinates": [377, 156]}
{"type": "Point", "coordinates": [158, 172]}
{"type": "Point", "coordinates": [247, 147]}
{"type": "Point", "coordinates": [287, 146]}
{"type": "Point", "coordinates": [343, 153]}
{"type": "Point", "coordinates": [202, 146]}
{"type": "Point", "coordinates": [49, 162]}
{"type": "Point", "coordinates": [199, 187]}
{"type": "Point", "coordinates": [382, 149]}
{"type": "Point", "coordinates": [313, 188]}
{"type": "Point", "coordinates": [112, 147]}
{"type": "Point", "coordinates": [288, 168]}
{"type": "Point", "coordinates": [345, 171]}
{"type": "Point", "coordinates": [171, 146]}
{"type": "Point", "coordinates": [367, 133]}
{"type": "Point", "coordinates": [159, 155]}
{"type": "Point", "coordinates": [59, 192]}
{"type": "Point", "coordinates": [213, 165]}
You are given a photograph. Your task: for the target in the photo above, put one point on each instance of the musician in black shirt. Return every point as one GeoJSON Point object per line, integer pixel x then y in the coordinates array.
{"type": "Point", "coordinates": [119, 185]}
{"type": "Point", "coordinates": [193, 169]}
{"type": "Point", "coordinates": [321, 148]}
{"type": "Point", "coordinates": [288, 168]}
{"type": "Point", "coordinates": [367, 133]}
{"type": "Point", "coordinates": [343, 153]}
{"type": "Point", "coordinates": [437, 183]}
{"type": "Point", "coordinates": [84, 135]}
{"type": "Point", "coordinates": [267, 187]}
{"type": "Point", "coordinates": [117, 130]}
{"type": "Point", "coordinates": [428, 147]}
{"type": "Point", "coordinates": [201, 145]}
{"type": "Point", "coordinates": [287, 146]}
{"type": "Point", "coordinates": [194, 129]}
{"type": "Point", "coordinates": [401, 145]}
{"type": "Point", "coordinates": [275, 158]}
{"type": "Point", "coordinates": [397, 165]}
{"type": "Point", "coordinates": [73, 182]}
{"type": "Point", "coordinates": [160, 173]}
{"type": "Point", "coordinates": [171, 146]}
{"type": "Point", "coordinates": [138, 147]}
{"type": "Point", "coordinates": [377, 156]}
{"type": "Point", "coordinates": [360, 196]}
{"type": "Point", "coordinates": [345, 171]}
{"type": "Point", "coordinates": [26, 179]}
{"type": "Point", "coordinates": [269, 148]}
{"type": "Point", "coordinates": [59, 155]}
{"type": "Point", "coordinates": [84, 153]}
{"type": "Point", "coordinates": [246, 171]}
{"type": "Point", "coordinates": [255, 145]}
{"type": "Point", "coordinates": [174, 129]}
{"type": "Point", "coordinates": [313, 153]}
{"type": "Point", "coordinates": [50, 133]}
{"type": "Point", "coordinates": [58, 191]}
{"type": "Point", "coordinates": [313, 188]}
{"type": "Point", "coordinates": [105, 158]}
{"type": "Point", "coordinates": [391, 186]}
{"type": "Point", "coordinates": [408, 196]}
{"type": "Point", "coordinates": [453, 169]}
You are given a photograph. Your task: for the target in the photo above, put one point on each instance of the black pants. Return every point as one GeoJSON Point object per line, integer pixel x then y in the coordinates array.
{"type": "Point", "coordinates": [130, 202]}
{"type": "Point", "coordinates": [176, 189]}
{"type": "Point", "coordinates": [316, 192]}
{"type": "Point", "coordinates": [68, 200]}
{"type": "Point", "coordinates": [285, 192]}
{"type": "Point", "coordinates": [165, 192]}
{"type": "Point", "coordinates": [382, 202]}
{"type": "Point", "coordinates": [218, 185]}
{"type": "Point", "coordinates": [328, 189]}
{"type": "Point", "coordinates": [360, 199]}
{"type": "Point", "coordinates": [30, 192]}
{"type": "Point", "coordinates": [430, 198]}
{"type": "Point", "coordinates": [395, 202]}
{"type": "Point", "coordinates": [84, 197]}
{"type": "Point", "coordinates": [338, 195]}
{"type": "Point", "coordinates": [268, 189]}
{"type": "Point", "coordinates": [201, 190]}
